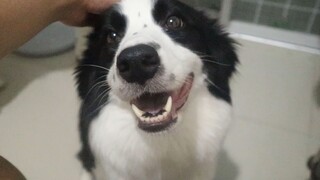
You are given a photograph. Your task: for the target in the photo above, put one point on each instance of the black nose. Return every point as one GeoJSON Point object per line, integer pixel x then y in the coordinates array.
{"type": "Point", "coordinates": [139, 63]}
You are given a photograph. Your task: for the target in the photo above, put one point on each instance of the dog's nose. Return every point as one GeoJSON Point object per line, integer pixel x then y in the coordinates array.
{"type": "Point", "coordinates": [139, 63]}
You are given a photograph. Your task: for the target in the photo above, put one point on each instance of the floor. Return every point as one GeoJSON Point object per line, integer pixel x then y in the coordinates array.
{"type": "Point", "coordinates": [276, 95]}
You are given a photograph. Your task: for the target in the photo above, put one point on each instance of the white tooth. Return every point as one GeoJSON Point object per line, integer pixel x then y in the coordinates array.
{"type": "Point", "coordinates": [137, 111]}
{"type": "Point", "coordinates": [168, 105]}
{"type": "Point", "coordinates": [153, 119]}
{"type": "Point", "coordinates": [143, 119]}
{"type": "Point", "coordinates": [146, 119]}
{"type": "Point", "coordinates": [160, 117]}
{"type": "Point", "coordinates": [165, 114]}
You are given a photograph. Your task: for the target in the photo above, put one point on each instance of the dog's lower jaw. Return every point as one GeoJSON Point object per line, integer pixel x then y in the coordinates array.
{"type": "Point", "coordinates": [188, 151]}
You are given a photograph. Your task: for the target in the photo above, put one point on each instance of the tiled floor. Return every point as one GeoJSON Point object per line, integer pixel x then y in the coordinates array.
{"type": "Point", "coordinates": [277, 124]}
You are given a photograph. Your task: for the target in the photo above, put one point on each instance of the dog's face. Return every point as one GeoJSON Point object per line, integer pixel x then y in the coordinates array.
{"type": "Point", "coordinates": [150, 56]}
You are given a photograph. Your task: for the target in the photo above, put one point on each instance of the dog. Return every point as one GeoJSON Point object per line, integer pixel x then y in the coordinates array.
{"type": "Point", "coordinates": [154, 87]}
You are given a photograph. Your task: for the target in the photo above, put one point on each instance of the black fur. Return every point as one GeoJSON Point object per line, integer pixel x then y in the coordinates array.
{"type": "Point", "coordinates": [91, 77]}
{"type": "Point", "coordinates": [206, 38]}
{"type": "Point", "coordinates": [200, 34]}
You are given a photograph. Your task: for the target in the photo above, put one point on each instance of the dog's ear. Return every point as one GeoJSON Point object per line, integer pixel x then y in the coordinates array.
{"type": "Point", "coordinates": [222, 58]}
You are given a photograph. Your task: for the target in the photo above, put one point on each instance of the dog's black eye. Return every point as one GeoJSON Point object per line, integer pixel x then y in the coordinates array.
{"type": "Point", "coordinates": [174, 23]}
{"type": "Point", "coordinates": [113, 37]}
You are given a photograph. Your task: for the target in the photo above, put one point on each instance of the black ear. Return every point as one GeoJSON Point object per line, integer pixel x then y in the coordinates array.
{"type": "Point", "coordinates": [221, 60]}
{"type": "Point", "coordinates": [88, 75]}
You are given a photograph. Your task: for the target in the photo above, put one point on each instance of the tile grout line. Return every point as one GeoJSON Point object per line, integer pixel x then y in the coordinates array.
{"type": "Point", "coordinates": [313, 16]}
{"type": "Point", "coordinates": [292, 7]}
{"type": "Point", "coordinates": [287, 7]}
{"type": "Point", "coordinates": [258, 11]}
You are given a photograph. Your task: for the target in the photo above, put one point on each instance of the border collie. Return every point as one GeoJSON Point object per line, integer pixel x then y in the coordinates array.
{"type": "Point", "coordinates": [154, 86]}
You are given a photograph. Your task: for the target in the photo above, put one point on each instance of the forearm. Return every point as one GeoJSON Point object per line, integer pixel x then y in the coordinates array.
{"type": "Point", "coordinates": [22, 19]}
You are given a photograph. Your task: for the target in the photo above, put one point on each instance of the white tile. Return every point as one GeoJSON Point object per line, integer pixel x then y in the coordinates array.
{"type": "Point", "coordinates": [38, 128]}
{"type": "Point", "coordinates": [263, 153]}
{"type": "Point", "coordinates": [275, 85]}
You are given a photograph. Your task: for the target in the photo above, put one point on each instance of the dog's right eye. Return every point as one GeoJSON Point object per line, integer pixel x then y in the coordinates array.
{"type": "Point", "coordinates": [174, 23]}
{"type": "Point", "coordinates": [113, 37]}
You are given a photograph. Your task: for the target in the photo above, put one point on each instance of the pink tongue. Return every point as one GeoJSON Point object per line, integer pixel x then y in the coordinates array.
{"type": "Point", "coordinates": [151, 103]}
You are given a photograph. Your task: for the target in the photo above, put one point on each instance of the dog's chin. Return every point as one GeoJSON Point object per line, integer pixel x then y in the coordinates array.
{"type": "Point", "coordinates": [156, 112]}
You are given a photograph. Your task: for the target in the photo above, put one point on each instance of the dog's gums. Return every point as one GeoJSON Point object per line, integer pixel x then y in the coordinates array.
{"type": "Point", "coordinates": [158, 112]}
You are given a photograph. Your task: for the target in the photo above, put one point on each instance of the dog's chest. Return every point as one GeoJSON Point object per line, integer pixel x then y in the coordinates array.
{"type": "Point", "coordinates": [186, 152]}
{"type": "Point", "coordinates": [142, 164]}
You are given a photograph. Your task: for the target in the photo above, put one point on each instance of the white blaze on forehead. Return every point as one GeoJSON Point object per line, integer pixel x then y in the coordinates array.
{"type": "Point", "coordinates": [129, 6]}
{"type": "Point", "coordinates": [137, 12]}
{"type": "Point", "coordinates": [141, 26]}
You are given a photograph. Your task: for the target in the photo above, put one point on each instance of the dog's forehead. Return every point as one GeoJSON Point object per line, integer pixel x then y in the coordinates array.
{"type": "Point", "coordinates": [137, 10]}
{"type": "Point", "coordinates": [141, 27]}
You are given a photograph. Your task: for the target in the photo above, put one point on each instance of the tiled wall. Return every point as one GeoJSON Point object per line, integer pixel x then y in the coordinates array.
{"type": "Point", "coordinates": [296, 15]}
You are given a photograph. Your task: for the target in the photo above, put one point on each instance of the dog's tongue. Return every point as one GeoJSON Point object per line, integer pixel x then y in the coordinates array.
{"type": "Point", "coordinates": [151, 103]}
{"type": "Point", "coordinates": [180, 96]}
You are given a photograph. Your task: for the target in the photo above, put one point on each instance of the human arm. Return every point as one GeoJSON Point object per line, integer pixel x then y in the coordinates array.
{"type": "Point", "coordinates": [20, 20]}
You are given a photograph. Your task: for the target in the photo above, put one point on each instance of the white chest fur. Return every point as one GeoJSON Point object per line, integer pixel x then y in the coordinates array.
{"type": "Point", "coordinates": [188, 151]}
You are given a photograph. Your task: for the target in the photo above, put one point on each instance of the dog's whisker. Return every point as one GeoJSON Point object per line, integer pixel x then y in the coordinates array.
{"type": "Point", "coordinates": [215, 62]}
{"type": "Point", "coordinates": [104, 95]}
{"type": "Point", "coordinates": [209, 58]}
{"type": "Point", "coordinates": [216, 86]}
{"type": "Point", "coordinates": [96, 84]}
{"type": "Point", "coordinates": [98, 108]}
{"type": "Point", "coordinates": [99, 96]}
{"type": "Point", "coordinates": [96, 66]}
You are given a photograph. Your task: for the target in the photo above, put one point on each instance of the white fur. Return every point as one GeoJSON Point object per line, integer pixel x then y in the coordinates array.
{"type": "Point", "coordinates": [172, 55]}
{"type": "Point", "coordinates": [186, 152]}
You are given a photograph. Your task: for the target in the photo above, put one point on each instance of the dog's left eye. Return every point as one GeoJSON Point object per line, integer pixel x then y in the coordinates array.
{"type": "Point", "coordinates": [113, 37]}
{"type": "Point", "coordinates": [174, 23]}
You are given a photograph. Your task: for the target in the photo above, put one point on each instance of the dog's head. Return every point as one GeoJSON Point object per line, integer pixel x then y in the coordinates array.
{"type": "Point", "coordinates": [151, 55]}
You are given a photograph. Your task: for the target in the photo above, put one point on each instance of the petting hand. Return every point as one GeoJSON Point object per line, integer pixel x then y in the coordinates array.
{"type": "Point", "coordinates": [76, 11]}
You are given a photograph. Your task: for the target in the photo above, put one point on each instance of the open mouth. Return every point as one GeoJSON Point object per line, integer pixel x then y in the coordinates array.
{"type": "Point", "coordinates": [159, 111]}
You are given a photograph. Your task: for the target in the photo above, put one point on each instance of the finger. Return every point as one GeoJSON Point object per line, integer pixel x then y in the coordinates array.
{"type": "Point", "coordinates": [98, 6]}
{"type": "Point", "coordinates": [76, 18]}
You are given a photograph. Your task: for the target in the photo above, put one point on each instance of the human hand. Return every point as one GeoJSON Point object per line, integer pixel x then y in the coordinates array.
{"type": "Point", "coordinates": [76, 11]}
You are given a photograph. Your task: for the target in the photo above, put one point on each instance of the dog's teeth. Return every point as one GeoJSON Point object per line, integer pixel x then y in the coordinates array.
{"type": "Point", "coordinates": [147, 119]}
{"type": "Point", "coordinates": [143, 119]}
{"type": "Point", "coordinates": [165, 114]}
{"type": "Point", "coordinates": [137, 111]}
{"type": "Point", "coordinates": [168, 105]}
{"type": "Point", "coordinates": [153, 119]}
{"type": "Point", "coordinates": [160, 118]}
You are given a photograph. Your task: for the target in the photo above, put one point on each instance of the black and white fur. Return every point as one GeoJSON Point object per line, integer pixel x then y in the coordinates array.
{"type": "Point", "coordinates": [113, 146]}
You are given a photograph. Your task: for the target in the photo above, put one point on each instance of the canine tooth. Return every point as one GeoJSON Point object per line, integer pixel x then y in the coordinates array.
{"type": "Point", "coordinates": [137, 111]}
{"type": "Point", "coordinates": [168, 105]}
{"type": "Point", "coordinates": [143, 119]}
